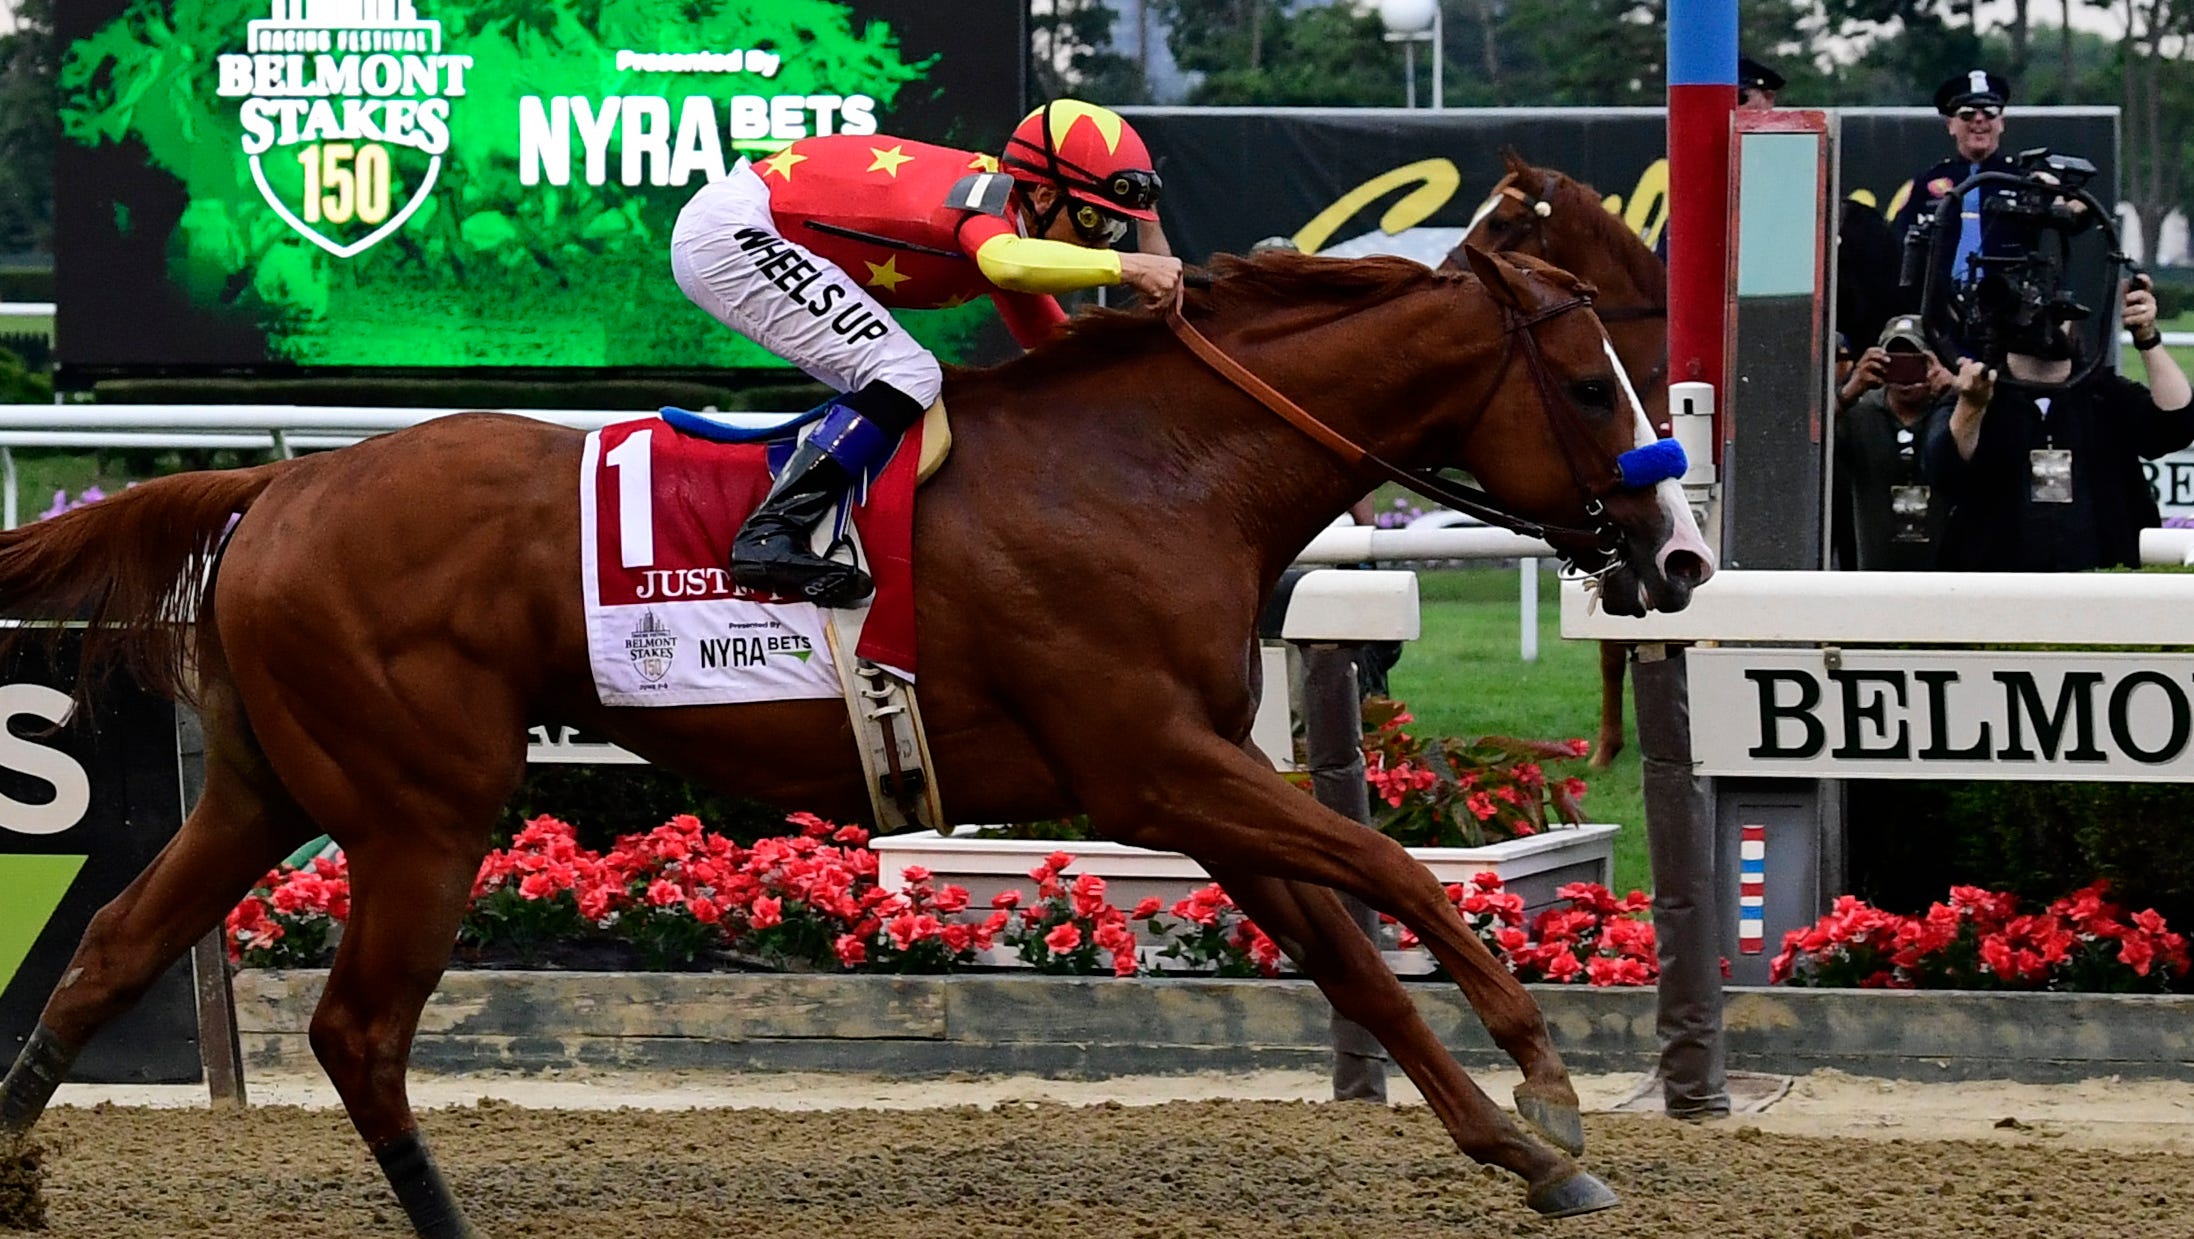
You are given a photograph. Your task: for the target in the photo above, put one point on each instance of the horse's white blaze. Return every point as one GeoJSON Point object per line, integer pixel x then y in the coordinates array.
{"type": "Point", "coordinates": [1683, 532]}
{"type": "Point", "coordinates": [1484, 209]}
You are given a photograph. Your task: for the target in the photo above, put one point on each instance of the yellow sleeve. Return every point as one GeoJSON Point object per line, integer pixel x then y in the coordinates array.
{"type": "Point", "coordinates": [1034, 265]}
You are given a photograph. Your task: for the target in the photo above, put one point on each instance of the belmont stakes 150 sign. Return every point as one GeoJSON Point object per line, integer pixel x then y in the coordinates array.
{"type": "Point", "coordinates": [1923, 714]}
{"type": "Point", "coordinates": [415, 183]}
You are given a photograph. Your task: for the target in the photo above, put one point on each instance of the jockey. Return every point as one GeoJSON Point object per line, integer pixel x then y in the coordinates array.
{"type": "Point", "coordinates": [802, 250]}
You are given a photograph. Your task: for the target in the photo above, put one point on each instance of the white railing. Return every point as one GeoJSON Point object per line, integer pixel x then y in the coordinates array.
{"type": "Point", "coordinates": [1433, 539]}
{"type": "Point", "coordinates": [1908, 608]}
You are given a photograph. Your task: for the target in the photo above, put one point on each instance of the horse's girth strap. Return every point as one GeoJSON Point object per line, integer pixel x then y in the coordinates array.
{"type": "Point", "coordinates": [1264, 393]}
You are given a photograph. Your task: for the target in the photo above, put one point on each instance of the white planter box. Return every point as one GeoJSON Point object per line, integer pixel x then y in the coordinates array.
{"type": "Point", "coordinates": [1533, 867]}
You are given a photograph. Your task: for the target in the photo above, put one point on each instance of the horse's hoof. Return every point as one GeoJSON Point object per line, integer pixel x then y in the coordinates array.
{"type": "Point", "coordinates": [1558, 1121]}
{"type": "Point", "coordinates": [1579, 1193]}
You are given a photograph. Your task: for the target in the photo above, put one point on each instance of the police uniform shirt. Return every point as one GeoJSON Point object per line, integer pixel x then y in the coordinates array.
{"type": "Point", "coordinates": [1928, 189]}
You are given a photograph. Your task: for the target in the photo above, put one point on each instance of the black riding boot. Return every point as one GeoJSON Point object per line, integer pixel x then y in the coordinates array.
{"type": "Point", "coordinates": [771, 552]}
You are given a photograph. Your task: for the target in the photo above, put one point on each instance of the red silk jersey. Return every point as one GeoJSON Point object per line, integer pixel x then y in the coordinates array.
{"type": "Point", "coordinates": [823, 191]}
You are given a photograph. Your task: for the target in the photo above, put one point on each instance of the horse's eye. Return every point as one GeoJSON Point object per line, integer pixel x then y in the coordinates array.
{"type": "Point", "coordinates": [1594, 393]}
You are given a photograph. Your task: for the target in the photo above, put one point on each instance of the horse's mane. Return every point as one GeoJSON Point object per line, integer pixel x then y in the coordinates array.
{"type": "Point", "coordinates": [1637, 259]}
{"type": "Point", "coordinates": [1274, 280]}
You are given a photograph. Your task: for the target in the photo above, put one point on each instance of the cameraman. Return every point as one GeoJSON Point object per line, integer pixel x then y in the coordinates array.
{"type": "Point", "coordinates": [1885, 518]}
{"type": "Point", "coordinates": [2054, 483]}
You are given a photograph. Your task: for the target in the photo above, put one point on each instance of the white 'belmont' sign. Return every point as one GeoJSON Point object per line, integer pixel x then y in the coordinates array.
{"type": "Point", "coordinates": [1922, 714]}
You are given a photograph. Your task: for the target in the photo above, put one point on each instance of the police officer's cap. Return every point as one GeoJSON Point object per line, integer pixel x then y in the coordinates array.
{"type": "Point", "coordinates": [1974, 86]}
{"type": "Point", "coordinates": [1752, 75]}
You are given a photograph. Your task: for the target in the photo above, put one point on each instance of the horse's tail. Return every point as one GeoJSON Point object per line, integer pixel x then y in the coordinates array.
{"type": "Point", "coordinates": [135, 566]}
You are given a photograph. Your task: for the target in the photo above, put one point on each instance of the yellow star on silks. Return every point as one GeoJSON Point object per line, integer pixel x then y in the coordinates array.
{"type": "Point", "coordinates": [889, 161]}
{"type": "Point", "coordinates": [885, 274]}
{"type": "Point", "coordinates": [781, 162]}
{"type": "Point", "coordinates": [955, 301]}
{"type": "Point", "coordinates": [984, 163]}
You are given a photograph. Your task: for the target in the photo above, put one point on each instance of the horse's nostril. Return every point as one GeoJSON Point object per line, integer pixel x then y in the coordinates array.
{"type": "Point", "coordinates": [1686, 568]}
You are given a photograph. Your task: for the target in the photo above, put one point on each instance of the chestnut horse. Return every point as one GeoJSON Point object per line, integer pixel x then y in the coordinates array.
{"type": "Point", "coordinates": [1548, 215]}
{"type": "Point", "coordinates": [387, 620]}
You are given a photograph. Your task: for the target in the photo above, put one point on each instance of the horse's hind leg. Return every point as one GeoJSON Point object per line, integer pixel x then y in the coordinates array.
{"type": "Point", "coordinates": [408, 894]}
{"type": "Point", "coordinates": [1312, 926]}
{"type": "Point", "coordinates": [241, 827]}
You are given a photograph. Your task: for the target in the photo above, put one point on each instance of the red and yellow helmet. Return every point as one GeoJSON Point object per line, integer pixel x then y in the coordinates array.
{"type": "Point", "coordinates": [1090, 153]}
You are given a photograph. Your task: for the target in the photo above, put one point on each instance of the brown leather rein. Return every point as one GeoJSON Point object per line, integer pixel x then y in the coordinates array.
{"type": "Point", "coordinates": [1590, 466]}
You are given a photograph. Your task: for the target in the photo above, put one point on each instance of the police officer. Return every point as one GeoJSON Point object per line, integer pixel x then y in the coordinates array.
{"type": "Point", "coordinates": [1972, 105]}
{"type": "Point", "coordinates": [1756, 85]}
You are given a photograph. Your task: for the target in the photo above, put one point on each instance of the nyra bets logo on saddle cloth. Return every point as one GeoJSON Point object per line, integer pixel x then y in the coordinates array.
{"type": "Point", "coordinates": [345, 114]}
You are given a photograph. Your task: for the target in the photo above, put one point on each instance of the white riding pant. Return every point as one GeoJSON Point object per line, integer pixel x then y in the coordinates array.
{"type": "Point", "coordinates": [779, 294]}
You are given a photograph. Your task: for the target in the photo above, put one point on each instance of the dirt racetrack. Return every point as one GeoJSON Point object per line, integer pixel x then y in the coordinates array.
{"type": "Point", "coordinates": [1179, 1170]}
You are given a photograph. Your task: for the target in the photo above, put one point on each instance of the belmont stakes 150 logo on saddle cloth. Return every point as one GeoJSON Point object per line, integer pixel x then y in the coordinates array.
{"type": "Point", "coordinates": [345, 114]}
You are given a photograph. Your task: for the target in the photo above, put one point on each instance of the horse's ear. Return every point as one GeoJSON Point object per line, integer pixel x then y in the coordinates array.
{"type": "Point", "coordinates": [1515, 161]}
{"type": "Point", "coordinates": [1494, 276]}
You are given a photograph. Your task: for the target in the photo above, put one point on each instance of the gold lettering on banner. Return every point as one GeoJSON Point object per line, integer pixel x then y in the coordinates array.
{"type": "Point", "coordinates": [1898, 199]}
{"type": "Point", "coordinates": [1648, 212]}
{"type": "Point", "coordinates": [1436, 181]}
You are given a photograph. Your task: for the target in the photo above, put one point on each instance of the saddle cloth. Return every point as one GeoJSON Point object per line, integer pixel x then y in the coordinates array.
{"type": "Point", "coordinates": [665, 624]}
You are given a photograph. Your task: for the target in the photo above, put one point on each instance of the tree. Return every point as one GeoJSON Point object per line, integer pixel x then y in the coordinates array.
{"type": "Point", "coordinates": [1071, 53]}
{"type": "Point", "coordinates": [1623, 61]}
{"type": "Point", "coordinates": [1255, 52]}
{"type": "Point", "coordinates": [2158, 108]}
{"type": "Point", "coordinates": [27, 129]}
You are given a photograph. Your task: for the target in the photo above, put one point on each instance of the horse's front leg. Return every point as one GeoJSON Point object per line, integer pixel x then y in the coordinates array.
{"type": "Point", "coordinates": [1312, 926]}
{"type": "Point", "coordinates": [1196, 793]}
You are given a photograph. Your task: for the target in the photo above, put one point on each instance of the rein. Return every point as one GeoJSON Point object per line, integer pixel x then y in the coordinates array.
{"type": "Point", "coordinates": [1595, 473]}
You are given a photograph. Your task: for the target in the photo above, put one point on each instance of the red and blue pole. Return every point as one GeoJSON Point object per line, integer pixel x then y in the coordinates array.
{"type": "Point", "coordinates": [1702, 92]}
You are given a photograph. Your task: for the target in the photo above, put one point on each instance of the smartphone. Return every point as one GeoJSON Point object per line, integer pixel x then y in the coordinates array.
{"type": "Point", "coordinates": [1905, 368]}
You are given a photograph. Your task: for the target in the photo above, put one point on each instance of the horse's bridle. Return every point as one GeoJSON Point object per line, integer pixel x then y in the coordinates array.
{"type": "Point", "coordinates": [1537, 210]}
{"type": "Point", "coordinates": [1595, 472]}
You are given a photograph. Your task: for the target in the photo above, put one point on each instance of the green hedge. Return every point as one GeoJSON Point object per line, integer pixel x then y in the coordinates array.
{"type": "Point", "coordinates": [19, 385]}
{"type": "Point", "coordinates": [1909, 841]}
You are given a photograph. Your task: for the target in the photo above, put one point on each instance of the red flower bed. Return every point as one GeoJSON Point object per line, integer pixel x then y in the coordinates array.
{"type": "Point", "coordinates": [680, 896]}
{"type": "Point", "coordinates": [1980, 940]}
{"type": "Point", "coordinates": [1457, 793]}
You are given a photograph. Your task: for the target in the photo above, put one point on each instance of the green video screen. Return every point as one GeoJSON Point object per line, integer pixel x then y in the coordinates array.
{"type": "Point", "coordinates": [399, 184]}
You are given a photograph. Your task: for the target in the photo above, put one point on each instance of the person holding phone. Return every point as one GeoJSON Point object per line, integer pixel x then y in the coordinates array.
{"type": "Point", "coordinates": [1884, 516]}
{"type": "Point", "coordinates": [2053, 482]}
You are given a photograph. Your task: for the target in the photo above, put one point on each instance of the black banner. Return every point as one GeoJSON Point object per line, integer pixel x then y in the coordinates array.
{"type": "Point", "coordinates": [1399, 181]}
{"type": "Point", "coordinates": [83, 810]}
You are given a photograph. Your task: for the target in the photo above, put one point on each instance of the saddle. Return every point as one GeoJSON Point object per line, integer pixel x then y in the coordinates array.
{"type": "Point", "coordinates": [780, 432]}
{"type": "Point", "coordinates": [880, 700]}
